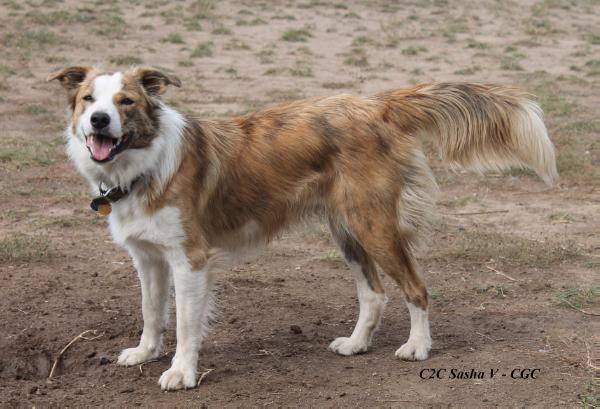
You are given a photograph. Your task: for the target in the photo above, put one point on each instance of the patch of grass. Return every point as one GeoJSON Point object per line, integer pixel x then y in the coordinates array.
{"type": "Point", "coordinates": [332, 256]}
{"type": "Point", "coordinates": [111, 25]}
{"type": "Point", "coordinates": [202, 50]}
{"type": "Point", "coordinates": [254, 22]}
{"type": "Point", "coordinates": [552, 100]}
{"type": "Point", "coordinates": [561, 216]}
{"type": "Point", "coordinates": [186, 63]}
{"type": "Point", "coordinates": [362, 40]}
{"type": "Point", "coordinates": [433, 293]}
{"type": "Point", "coordinates": [147, 27]}
{"type": "Point", "coordinates": [236, 44]}
{"type": "Point", "coordinates": [468, 71]}
{"type": "Point", "coordinates": [510, 63]}
{"type": "Point", "coordinates": [302, 69]}
{"type": "Point", "coordinates": [517, 171]}
{"type": "Point", "coordinates": [337, 85]}
{"type": "Point", "coordinates": [6, 70]}
{"type": "Point", "coordinates": [593, 38]}
{"type": "Point", "coordinates": [266, 56]}
{"type": "Point", "coordinates": [582, 126]}
{"type": "Point", "coordinates": [202, 9]}
{"type": "Point", "coordinates": [357, 57]}
{"type": "Point", "coordinates": [32, 39]}
{"type": "Point", "coordinates": [27, 152]}
{"type": "Point", "coordinates": [36, 109]}
{"type": "Point", "coordinates": [19, 248]}
{"type": "Point", "coordinates": [221, 30]}
{"type": "Point", "coordinates": [296, 35]}
{"type": "Point", "coordinates": [173, 38]}
{"type": "Point", "coordinates": [539, 26]}
{"type": "Point", "coordinates": [414, 50]}
{"type": "Point", "coordinates": [495, 290]}
{"type": "Point", "coordinates": [590, 395]}
{"type": "Point", "coordinates": [126, 60]}
{"type": "Point", "coordinates": [477, 45]}
{"type": "Point", "coordinates": [577, 296]}
{"type": "Point", "coordinates": [56, 59]}
{"type": "Point", "coordinates": [568, 161]}
{"type": "Point", "coordinates": [480, 247]}
{"type": "Point", "coordinates": [55, 18]}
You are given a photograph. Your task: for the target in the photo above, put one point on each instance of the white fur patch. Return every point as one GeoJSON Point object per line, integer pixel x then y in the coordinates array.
{"type": "Point", "coordinates": [105, 88]}
{"type": "Point", "coordinates": [371, 305]}
{"type": "Point", "coordinates": [419, 341]}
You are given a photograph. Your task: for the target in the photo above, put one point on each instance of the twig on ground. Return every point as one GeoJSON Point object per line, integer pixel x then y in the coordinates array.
{"type": "Point", "coordinates": [579, 309]}
{"type": "Point", "coordinates": [78, 337]}
{"type": "Point", "coordinates": [147, 362]}
{"type": "Point", "coordinates": [204, 375]}
{"type": "Point", "coordinates": [485, 336]}
{"type": "Point", "coordinates": [589, 358]}
{"type": "Point", "coordinates": [501, 273]}
{"type": "Point", "coordinates": [483, 212]}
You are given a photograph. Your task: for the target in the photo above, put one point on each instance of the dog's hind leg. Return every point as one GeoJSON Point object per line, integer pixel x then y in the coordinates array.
{"type": "Point", "coordinates": [393, 254]}
{"type": "Point", "coordinates": [371, 295]}
{"type": "Point", "coordinates": [194, 304]}
{"type": "Point", "coordinates": [153, 272]}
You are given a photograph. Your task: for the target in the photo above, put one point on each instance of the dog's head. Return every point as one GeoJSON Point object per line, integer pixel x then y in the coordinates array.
{"type": "Point", "coordinates": [113, 112]}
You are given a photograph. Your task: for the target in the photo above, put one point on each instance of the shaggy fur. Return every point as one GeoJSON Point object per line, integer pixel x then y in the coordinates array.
{"type": "Point", "coordinates": [232, 183]}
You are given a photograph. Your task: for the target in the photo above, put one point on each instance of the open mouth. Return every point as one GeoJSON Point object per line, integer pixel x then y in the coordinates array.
{"type": "Point", "coordinates": [103, 148]}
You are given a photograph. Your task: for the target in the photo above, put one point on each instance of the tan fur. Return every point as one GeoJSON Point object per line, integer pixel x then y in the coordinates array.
{"type": "Point", "coordinates": [358, 160]}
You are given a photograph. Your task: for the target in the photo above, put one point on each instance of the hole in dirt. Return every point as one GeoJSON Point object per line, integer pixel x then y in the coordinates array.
{"type": "Point", "coordinates": [35, 366]}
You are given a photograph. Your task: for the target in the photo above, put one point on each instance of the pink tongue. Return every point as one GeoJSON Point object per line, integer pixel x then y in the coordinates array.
{"type": "Point", "coordinates": [99, 146]}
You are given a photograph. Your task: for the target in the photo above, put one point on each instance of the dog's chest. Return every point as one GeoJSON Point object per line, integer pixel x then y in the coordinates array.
{"type": "Point", "coordinates": [130, 221]}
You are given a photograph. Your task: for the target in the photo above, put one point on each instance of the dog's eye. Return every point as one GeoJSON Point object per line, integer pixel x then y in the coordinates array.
{"type": "Point", "coordinates": [88, 98]}
{"type": "Point", "coordinates": [127, 101]}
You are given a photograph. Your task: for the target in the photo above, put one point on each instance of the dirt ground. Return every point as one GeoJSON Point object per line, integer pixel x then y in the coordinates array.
{"type": "Point", "coordinates": [512, 288]}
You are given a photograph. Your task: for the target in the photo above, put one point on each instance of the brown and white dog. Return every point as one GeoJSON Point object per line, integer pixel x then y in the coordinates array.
{"type": "Point", "coordinates": [192, 186]}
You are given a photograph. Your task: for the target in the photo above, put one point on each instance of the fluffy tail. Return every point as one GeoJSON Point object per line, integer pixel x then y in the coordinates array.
{"type": "Point", "coordinates": [479, 127]}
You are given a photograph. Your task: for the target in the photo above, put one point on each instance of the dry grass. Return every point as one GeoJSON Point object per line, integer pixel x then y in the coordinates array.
{"type": "Point", "coordinates": [481, 247]}
{"type": "Point", "coordinates": [20, 248]}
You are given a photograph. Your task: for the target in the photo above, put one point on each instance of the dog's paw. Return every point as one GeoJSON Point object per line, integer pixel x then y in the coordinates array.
{"type": "Point", "coordinates": [415, 349]}
{"type": "Point", "coordinates": [135, 356]}
{"type": "Point", "coordinates": [178, 378]}
{"type": "Point", "coordinates": [347, 346]}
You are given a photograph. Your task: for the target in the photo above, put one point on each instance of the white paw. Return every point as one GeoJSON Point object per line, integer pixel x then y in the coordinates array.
{"type": "Point", "coordinates": [415, 349]}
{"type": "Point", "coordinates": [135, 356]}
{"type": "Point", "coordinates": [178, 378]}
{"type": "Point", "coordinates": [347, 346]}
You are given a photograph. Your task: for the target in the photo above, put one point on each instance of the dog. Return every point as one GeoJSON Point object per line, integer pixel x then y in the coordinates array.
{"type": "Point", "coordinates": [181, 190]}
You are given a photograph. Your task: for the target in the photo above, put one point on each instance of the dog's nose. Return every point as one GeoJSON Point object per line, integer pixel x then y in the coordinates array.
{"type": "Point", "coordinates": [100, 120]}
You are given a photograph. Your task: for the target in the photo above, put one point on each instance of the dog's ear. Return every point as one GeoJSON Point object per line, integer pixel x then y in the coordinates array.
{"type": "Point", "coordinates": [72, 77]}
{"type": "Point", "coordinates": [155, 82]}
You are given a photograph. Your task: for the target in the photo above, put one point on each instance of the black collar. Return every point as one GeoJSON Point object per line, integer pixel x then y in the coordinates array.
{"type": "Point", "coordinates": [102, 203]}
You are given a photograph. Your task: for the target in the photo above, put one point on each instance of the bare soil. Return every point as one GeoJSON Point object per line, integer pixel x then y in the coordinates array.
{"type": "Point", "coordinates": [510, 267]}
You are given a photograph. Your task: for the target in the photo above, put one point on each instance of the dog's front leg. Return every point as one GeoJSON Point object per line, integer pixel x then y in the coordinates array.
{"type": "Point", "coordinates": [193, 297]}
{"type": "Point", "coordinates": [153, 272]}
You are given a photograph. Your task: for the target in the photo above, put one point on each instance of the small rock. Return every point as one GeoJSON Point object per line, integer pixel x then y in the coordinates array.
{"type": "Point", "coordinates": [296, 329]}
{"type": "Point", "coordinates": [104, 360]}
{"type": "Point", "coordinates": [33, 390]}
{"type": "Point", "coordinates": [126, 390]}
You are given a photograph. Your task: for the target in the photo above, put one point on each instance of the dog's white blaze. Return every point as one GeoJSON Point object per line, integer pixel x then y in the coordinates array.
{"type": "Point", "coordinates": [104, 89]}
{"type": "Point", "coordinates": [419, 341]}
{"type": "Point", "coordinates": [371, 306]}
